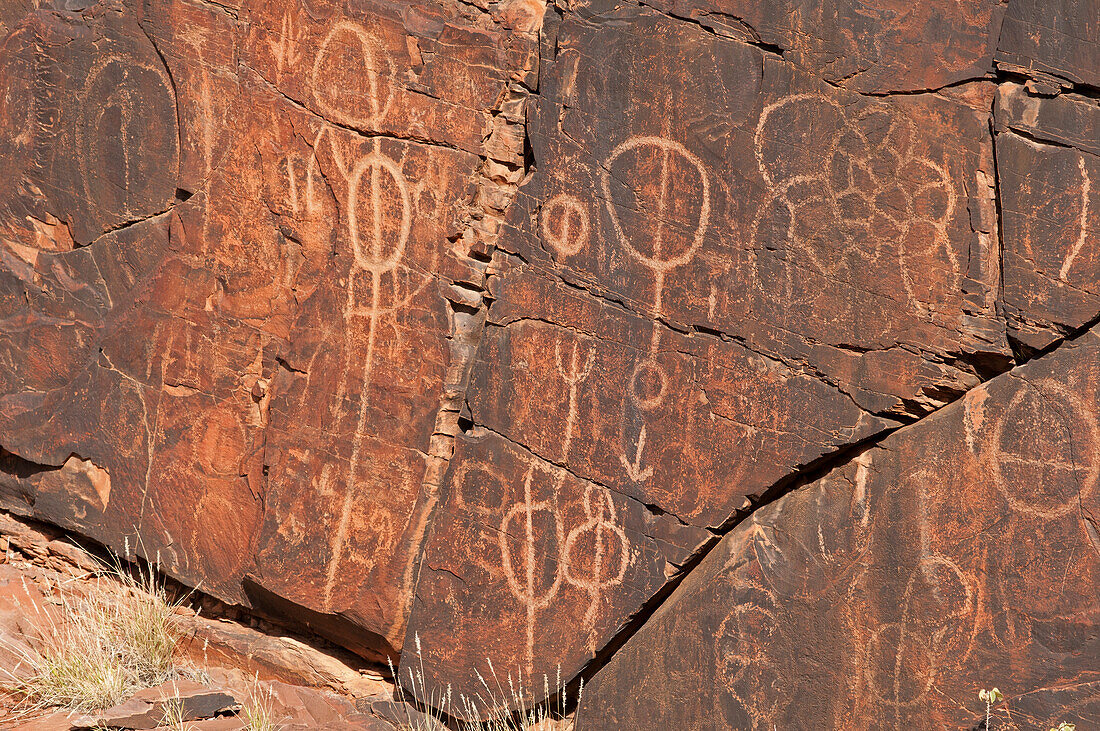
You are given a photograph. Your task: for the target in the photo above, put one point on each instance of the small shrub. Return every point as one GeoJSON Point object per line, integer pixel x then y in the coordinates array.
{"type": "Point", "coordinates": [173, 716]}
{"type": "Point", "coordinates": [990, 697]}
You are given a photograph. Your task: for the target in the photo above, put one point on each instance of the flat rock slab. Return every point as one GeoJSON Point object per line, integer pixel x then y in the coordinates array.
{"type": "Point", "coordinates": [530, 568]}
{"type": "Point", "coordinates": [471, 327]}
{"type": "Point", "coordinates": [848, 236]}
{"type": "Point", "coordinates": [148, 708]}
{"type": "Point", "coordinates": [870, 47]}
{"type": "Point", "coordinates": [1056, 37]}
{"type": "Point", "coordinates": [226, 252]}
{"type": "Point", "coordinates": [958, 554]}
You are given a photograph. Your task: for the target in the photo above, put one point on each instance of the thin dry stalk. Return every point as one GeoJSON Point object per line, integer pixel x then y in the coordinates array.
{"type": "Point", "coordinates": [491, 709]}
{"type": "Point", "coordinates": [105, 644]}
{"type": "Point", "coordinates": [259, 709]}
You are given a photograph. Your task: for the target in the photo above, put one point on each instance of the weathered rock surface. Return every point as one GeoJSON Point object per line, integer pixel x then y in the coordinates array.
{"type": "Point", "coordinates": [722, 271]}
{"type": "Point", "coordinates": [1048, 157]}
{"type": "Point", "coordinates": [548, 566]}
{"type": "Point", "coordinates": [230, 230]}
{"type": "Point", "coordinates": [1059, 38]}
{"type": "Point", "coordinates": [475, 326]}
{"type": "Point", "coordinates": [958, 554]}
{"type": "Point", "coordinates": [871, 47]}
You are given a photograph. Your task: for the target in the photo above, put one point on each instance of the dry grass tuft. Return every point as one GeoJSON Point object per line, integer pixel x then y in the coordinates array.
{"type": "Point", "coordinates": [173, 716]}
{"type": "Point", "coordinates": [258, 710]}
{"type": "Point", "coordinates": [501, 705]}
{"type": "Point", "coordinates": [100, 646]}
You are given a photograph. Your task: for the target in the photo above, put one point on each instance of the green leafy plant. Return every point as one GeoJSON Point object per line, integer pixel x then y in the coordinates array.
{"type": "Point", "coordinates": [990, 697]}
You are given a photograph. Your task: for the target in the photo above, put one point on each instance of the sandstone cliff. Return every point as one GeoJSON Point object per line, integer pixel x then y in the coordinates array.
{"type": "Point", "coordinates": [738, 356]}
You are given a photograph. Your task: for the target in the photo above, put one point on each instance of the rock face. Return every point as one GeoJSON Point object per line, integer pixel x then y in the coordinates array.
{"type": "Point", "coordinates": [470, 329]}
{"type": "Point", "coordinates": [959, 552]}
{"type": "Point", "coordinates": [231, 242]}
{"type": "Point", "coordinates": [1048, 157]}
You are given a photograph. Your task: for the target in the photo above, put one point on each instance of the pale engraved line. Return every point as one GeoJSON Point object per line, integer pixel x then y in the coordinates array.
{"type": "Point", "coordinates": [1091, 470]}
{"type": "Point", "coordinates": [378, 107]}
{"type": "Point", "coordinates": [656, 263]}
{"type": "Point", "coordinates": [560, 240]}
{"type": "Point", "coordinates": [1086, 189]}
{"type": "Point", "coordinates": [634, 468]}
{"type": "Point", "coordinates": [525, 593]}
{"type": "Point", "coordinates": [573, 377]}
{"type": "Point", "coordinates": [338, 545]}
{"type": "Point", "coordinates": [376, 266]}
{"type": "Point", "coordinates": [596, 585]}
{"type": "Point", "coordinates": [92, 142]}
{"type": "Point", "coordinates": [778, 191]}
{"type": "Point", "coordinates": [667, 146]}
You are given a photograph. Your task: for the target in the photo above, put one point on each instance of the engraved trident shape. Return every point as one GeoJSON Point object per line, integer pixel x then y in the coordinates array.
{"type": "Point", "coordinates": [672, 203]}
{"type": "Point", "coordinates": [379, 221]}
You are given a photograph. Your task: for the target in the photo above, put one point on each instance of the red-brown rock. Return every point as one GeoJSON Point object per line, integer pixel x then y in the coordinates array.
{"type": "Point", "coordinates": [531, 570]}
{"type": "Point", "coordinates": [961, 553]}
{"type": "Point", "coordinates": [1048, 159]}
{"type": "Point", "coordinates": [1056, 37]}
{"type": "Point", "coordinates": [230, 229]}
{"type": "Point", "coordinates": [870, 47]}
{"type": "Point", "coordinates": [692, 301]}
{"type": "Point", "coordinates": [473, 326]}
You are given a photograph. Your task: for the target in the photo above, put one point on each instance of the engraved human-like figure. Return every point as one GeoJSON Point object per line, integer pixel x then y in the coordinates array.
{"type": "Point", "coordinates": [127, 138]}
{"type": "Point", "coordinates": [596, 554]}
{"type": "Point", "coordinates": [574, 370]}
{"type": "Point", "coordinates": [526, 573]}
{"type": "Point", "coordinates": [353, 84]}
{"type": "Point", "coordinates": [667, 211]}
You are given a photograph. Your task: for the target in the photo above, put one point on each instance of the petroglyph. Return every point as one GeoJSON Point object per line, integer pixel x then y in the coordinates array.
{"type": "Point", "coordinates": [1082, 235]}
{"type": "Point", "coordinates": [839, 202]}
{"type": "Point", "coordinates": [573, 375]}
{"type": "Point", "coordinates": [379, 214]}
{"type": "Point", "coordinates": [1043, 451]}
{"type": "Point", "coordinates": [565, 224]}
{"type": "Point", "coordinates": [905, 658]}
{"type": "Point", "coordinates": [528, 585]}
{"type": "Point", "coordinates": [303, 196]}
{"type": "Point", "coordinates": [657, 192]}
{"type": "Point", "coordinates": [359, 99]}
{"type": "Point", "coordinates": [633, 467]}
{"type": "Point", "coordinates": [287, 50]}
{"type": "Point", "coordinates": [671, 192]}
{"type": "Point", "coordinates": [748, 641]}
{"type": "Point", "coordinates": [127, 135]}
{"type": "Point", "coordinates": [375, 258]}
{"type": "Point", "coordinates": [597, 570]}
{"type": "Point", "coordinates": [123, 410]}
{"type": "Point", "coordinates": [648, 380]}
